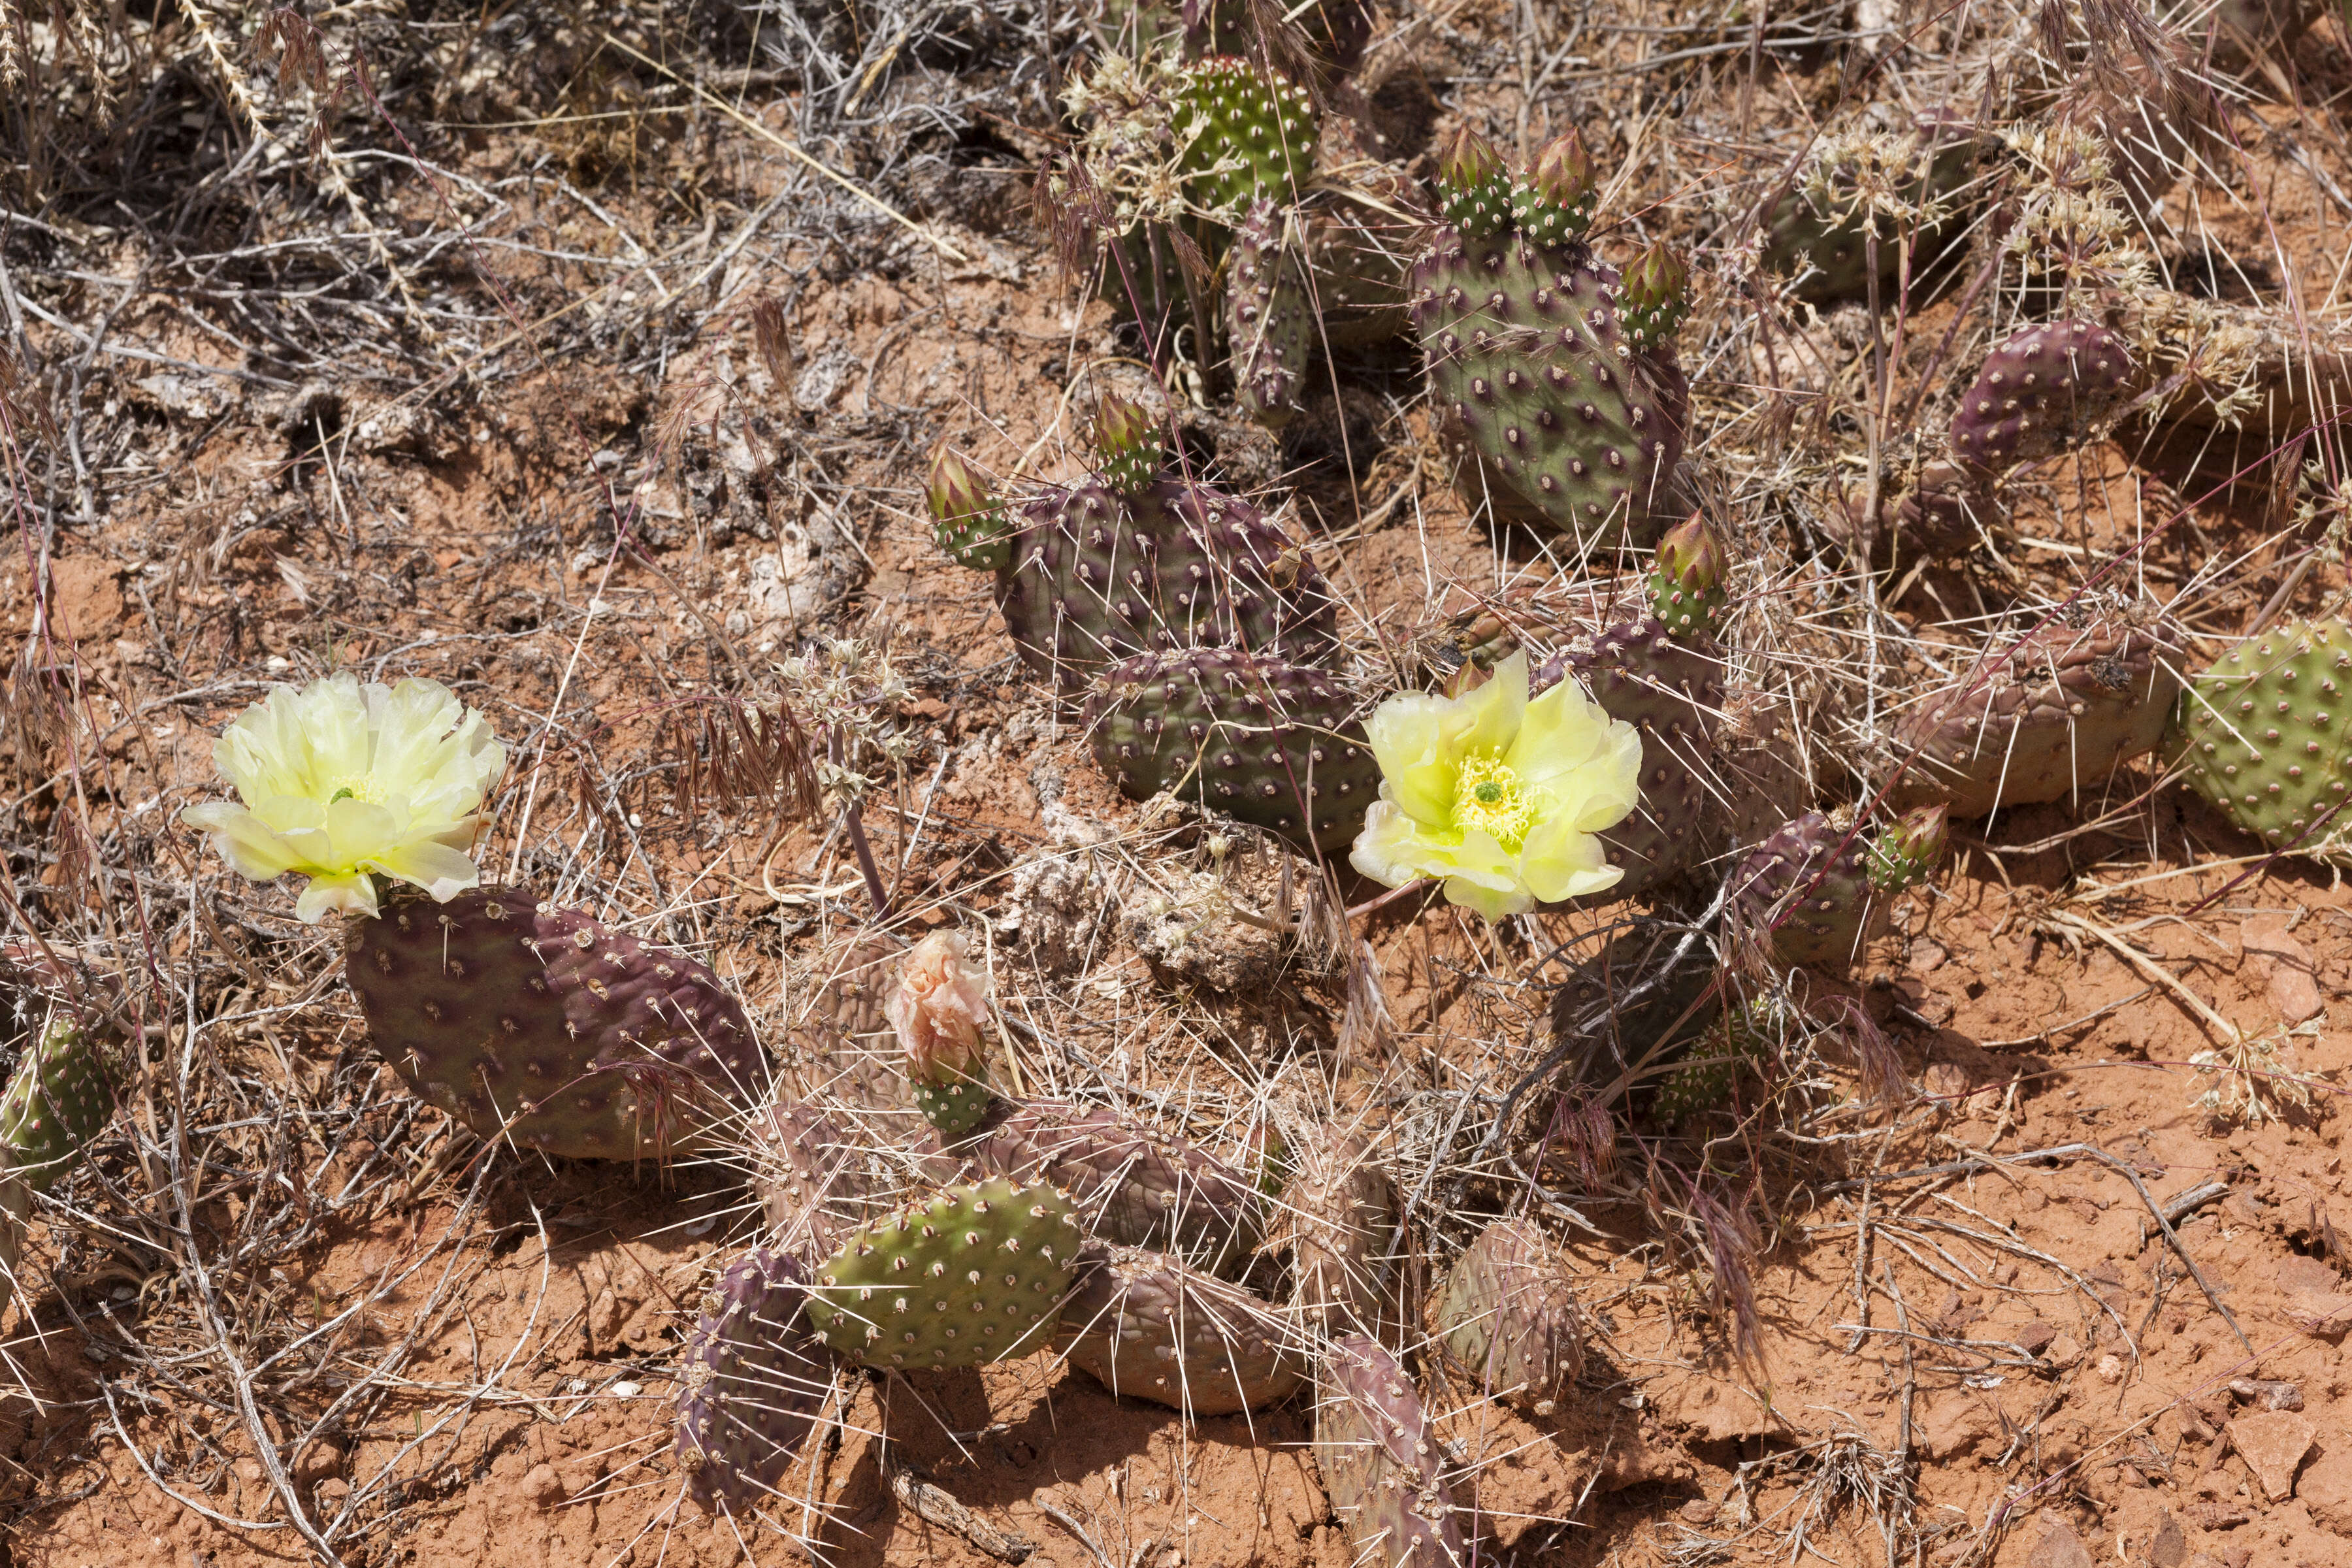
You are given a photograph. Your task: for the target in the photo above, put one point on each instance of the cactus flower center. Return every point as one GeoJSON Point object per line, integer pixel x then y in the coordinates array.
{"type": "Point", "coordinates": [1492, 796]}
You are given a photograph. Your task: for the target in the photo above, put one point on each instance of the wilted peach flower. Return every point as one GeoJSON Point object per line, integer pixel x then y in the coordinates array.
{"type": "Point", "coordinates": [937, 1008]}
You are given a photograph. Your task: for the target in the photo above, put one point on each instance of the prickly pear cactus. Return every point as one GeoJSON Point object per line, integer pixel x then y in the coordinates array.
{"type": "Point", "coordinates": [1382, 1463]}
{"type": "Point", "coordinates": [1670, 688]}
{"type": "Point", "coordinates": [2040, 392]}
{"type": "Point", "coordinates": [1097, 576]}
{"type": "Point", "coordinates": [1555, 417]}
{"type": "Point", "coordinates": [543, 1026]}
{"type": "Point", "coordinates": [1245, 134]}
{"type": "Point", "coordinates": [2053, 718]}
{"type": "Point", "coordinates": [56, 1102]}
{"type": "Point", "coordinates": [1907, 854]}
{"type": "Point", "coordinates": [1334, 1217]}
{"type": "Point", "coordinates": [1815, 871]}
{"type": "Point", "coordinates": [1817, 229]}
{"type": "Point", "coordinates": [1146, 1324]}
{"type": "Point", "coordinates": [1689, 580]}
{"type": "Point", "coordinates": [1738, 1041]}
{"type": "Point", "coordinates": [2262, 735]}
{"type": "Point", "coordinates": [1129, 1185]}
{"type": "Point", "coordinates": [1269, 320]}
{"type": "Point", "coordinates": [1473, 189]}
{"type": "Point", "coordinates": [751, 1380]}
{"type": "Point", "coordinates": [971, 1275]}
{"type": "Point", "coordinates": [1265, 742]}
{"type": "Point", "coordinates": [1654, 296]}
{"type": "Point", "coordinates": [1130, 445]}
{"type": "Point", "coordinates": [810, 1172]}
{"type": "Point", "coordinates": [1507, 1320]}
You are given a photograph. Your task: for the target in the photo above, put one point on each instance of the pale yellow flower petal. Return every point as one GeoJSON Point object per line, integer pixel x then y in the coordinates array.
{"type": "Point", "coordinates": [1494, 903]}
{"type": "Point", "coordinates": [245, 840]}
{"type": "Point", "coordinates": [1408, 737]}
{"type": "Point", "coordinates": [1490, 717]}
{"type": "Point", "coordinates": [437, 867]}
{"type": "Point", "coordinates": [352, 892]}
{"type": "Point", "coordinates": [1558, 861]}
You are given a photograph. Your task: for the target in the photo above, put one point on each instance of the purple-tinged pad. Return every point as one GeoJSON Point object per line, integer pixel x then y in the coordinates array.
{"type": "Point", "coordinates": [751, 1381]}
{"type": "Point", "coordinates": [1507, 1320]}
{"type": "Point", "coordinates": [1382, 1466]}
{"type": "Point", "coordinates": [1814, 870]}
{"type": "Point", "coordinates": [1129, 1184]}
{"type": "Point", "coordinates": [1146, 1325]}
{"type": "Point", "coordinates": [1335, 1216]}
{"type": "Point", "coordinates": [2041, 393]}
{"type": "Point", "coordinates": [1671, 688]}
{"type": "Point", "coordinates": [1269, 320]}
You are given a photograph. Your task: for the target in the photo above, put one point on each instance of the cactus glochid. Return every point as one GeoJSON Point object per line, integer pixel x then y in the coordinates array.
{"type": "Point", "coordinates": [2040, 392]}
{"type": "Point", "coordinates": [2262, 735]}
{"type": "Point", "coordinates": [1268, 743]}
{"type": "Point", "coordinates": [750, 1383]}
{"type": "Point", "coordinates": [1506, 1319]}
{"type": "Point", "coordinates": [544, 1025]}
{"type": "Point", "coordinates": [1143, 1323]}
{"type": "Point", "coordinates": [1558, 417]}
{"type": "Point", "coordinates": [971, 1275]}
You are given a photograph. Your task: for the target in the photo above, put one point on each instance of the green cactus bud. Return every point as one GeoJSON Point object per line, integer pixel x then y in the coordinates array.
{"type": "Point", "coordinates": [58, 1101]}
{"type": "Point", "coordinates": [1654, 295]}
{"type": "Point", "coordinates": [968, 522]}
{"type": "Point", "coordinates": [1473, 189]}
{"type": "Point", "coordinates": [1687, 591]}
{"type": "Point", "coordinates": [1908, 853]}
{"type": "Point", "coordinates": [971, 1275]}
{"type": "Point", "coordinates": [1129, 444]}
{"type": "Point", "coordinates": [1553, 205]}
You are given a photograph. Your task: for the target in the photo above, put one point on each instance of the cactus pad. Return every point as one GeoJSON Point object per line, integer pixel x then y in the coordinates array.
{"type": "Point", "coordinates": [1265, 742]}
{"type": "Point", "coordinates": [1335, 1216]}
{"type": "Point", "coordinates": [1687, 579]}
{"type": "Point", "coordinates": [750, 1383]}
{"type": "Point", "coordinates": [1554, 417]}
{"type": "Point", "coordinates": [810, 1172]}
{"type": "Point", "coordinates": [542, 1025]}
{"type": "Point", "coordinates": [1670, 688]}
{"type": "Point", "coordinates": [1142, 1323]}
{"type": "Point", "coordinates": [1824, 218]}
{"type": "Point", "coordinates": [1654, 296]}
{"type": "Point", "coordinates": [1099, 577]}
{"type": "Point", "coordinates": [971, 1275]}
{"type": "Point", "coordinates": [1380, 1462]}
{"type": "Point", "coordinates": [1506, 1319]}
{"type": "Point", "coordinates": [1813, 870]}
{"type": "Point", "coordinates": [1908, 853]}
{"type": "Point", "coordinates": [1269, 320]}
{"type": "Point", "coordinates": [1129, 1184]}
{"type": "Point", "coordinates": [2054, 717]}
{"type": "Point", "coordinates": [2263, 736]}
{"type": "Point", "coordinates": [2040, 392]}
{"type": "Point", "coordinates": [1130, 447]}
{"type": "Point", "coordinates": [56, 1102]}
{"type": "Point", "coordinates": [1245, 136]}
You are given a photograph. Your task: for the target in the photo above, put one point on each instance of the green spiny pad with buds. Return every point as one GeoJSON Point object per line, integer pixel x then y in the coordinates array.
{"type": "Point", "coordinates": [1814, 872]}
{"type": "Point", "coordinates": [1129, 1184]}
{"type": "Point", "coordinates": [1246, 135]}
{"type": "Point", "coordinates": [955, 1100]}
{"type": "Point", "coordinates": [1272, 743]}
{"type": "Point", "coordinates": [1128, 444]}
{"type": "Point", "coordinates": [58, 1101]}
{"type": "Point", "coordinates": [1334, 1217]}
{"type": "Point", "coordinates": [1654, 296]}
{"type": "Point", "coordinates": [1689, 577]}
{"type": "Point", "coordinates": [1474, 190]}
{"type": "Point", "coordinates": [1555, 418]}
{"type": "Point", "coordinates": [969, 523]}
{"type": "Point", "coordinates": [1269, 320]}
{"type": "Point", "coordinates": [1553, 204]}
{"type": "Point", "coordinates": [751, 1380]}
{"type": "Point", "coordinates": [2261, 734]}
{"type": "Point", "coordinates": [971, 1275]}
{"type": "Point", "coordinates": [544, 1025]}
{"type": "Point", "coordinates": [1099, 576]}
{"type": "Point", "coordinates": [2053, 714]}
{"type": "Point", "coordinates": [1907, 854]}
{"type": "Point", "coordinates": [2040, 392]}
{"type": "Point", "coordinates": [1146, 1324]}
{"type": "Point", "coordinates": [1506, 1319]}
{"type": "Point", "coordinates": [1381, 1462]}
{"type": "Point", "coordinates": [1670, 688]}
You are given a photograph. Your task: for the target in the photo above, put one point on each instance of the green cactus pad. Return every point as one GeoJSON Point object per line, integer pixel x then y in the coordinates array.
{"type": "Point", "coordinates": [1737, 1041]}
{"type": "Point", "coordinates": [1129, 1184]}
{"type": "Point", "coordinates": [1145, 1325]}
{"type": "Point", "coordinates": [1245, 136]}
{"type": "Point", "coordinates": [955, 1104]}
{"type": "Point", "coordinates": [1507, 1320]}
{"type": "Point", "coordinates": [1474, 190]}
{"type": "Point", "coordinates": [56, 1102]}
{"type": "Point", "coordinates": [1334, 1217]}
{"type": "Point", "coordinates": [973, 1274]}
{"type": "Point", "coordinates": [1553, 416]}
{"type": "Point", "coordinates": [2262, 735]}
{"type": "Point", "coordinates": [968, 522]}
{"type": "Point", "coordinates": [542, 1025]}
{"type": "Point", "coordinates": [750, 1383]}
{"type": "Point", "coordinates": [2075, 700]}
{"type": "Point", "coordinates": [1269, 742]}
{"type": "Point", "coordinates": [1269, 320]}
{"type": "Point", "coordinates": [1553, 205]}
{"type": "Point", "coordinates": [1099, 577]}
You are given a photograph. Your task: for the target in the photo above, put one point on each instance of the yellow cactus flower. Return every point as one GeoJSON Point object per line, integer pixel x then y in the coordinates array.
{"type": "Point", "coordinates": [343, 782]}
{"type": "Point", "coordinates": [1498, 795]}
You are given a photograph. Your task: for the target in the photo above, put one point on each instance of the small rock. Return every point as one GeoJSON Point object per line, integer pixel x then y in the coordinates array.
{"type": "Point", "coordinates": [2214, 1514]}
{"type": "Point", "coordinates": [1927, 956]}
{"type": "Point", "coordinates": [2064, 1351]}
{"type": "Point", "coordinates": [2272, 1443]}
{"type": "Point", "coordinates": [2034, 1337]}
{"type": "Point", "coordinates": [2325, 1489]}
{"type": "Point", "coordinates": [2111, 1368]}
{"type": "Point", "coordinates": [2170, 1547]}
{"type": "Point", "coordinates": [542, 1488]}
{"type": "Point", "coordinates": [1698, 1511]}
{"type": "Point", "coordinates": [2284, 966]}
{"type": "Point", "coordinates": [2055, 1544]}
{"type": "Point", "coordinates": [2268, 1393]}
{"type": "Point", "coordinates": [330, 1493]}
